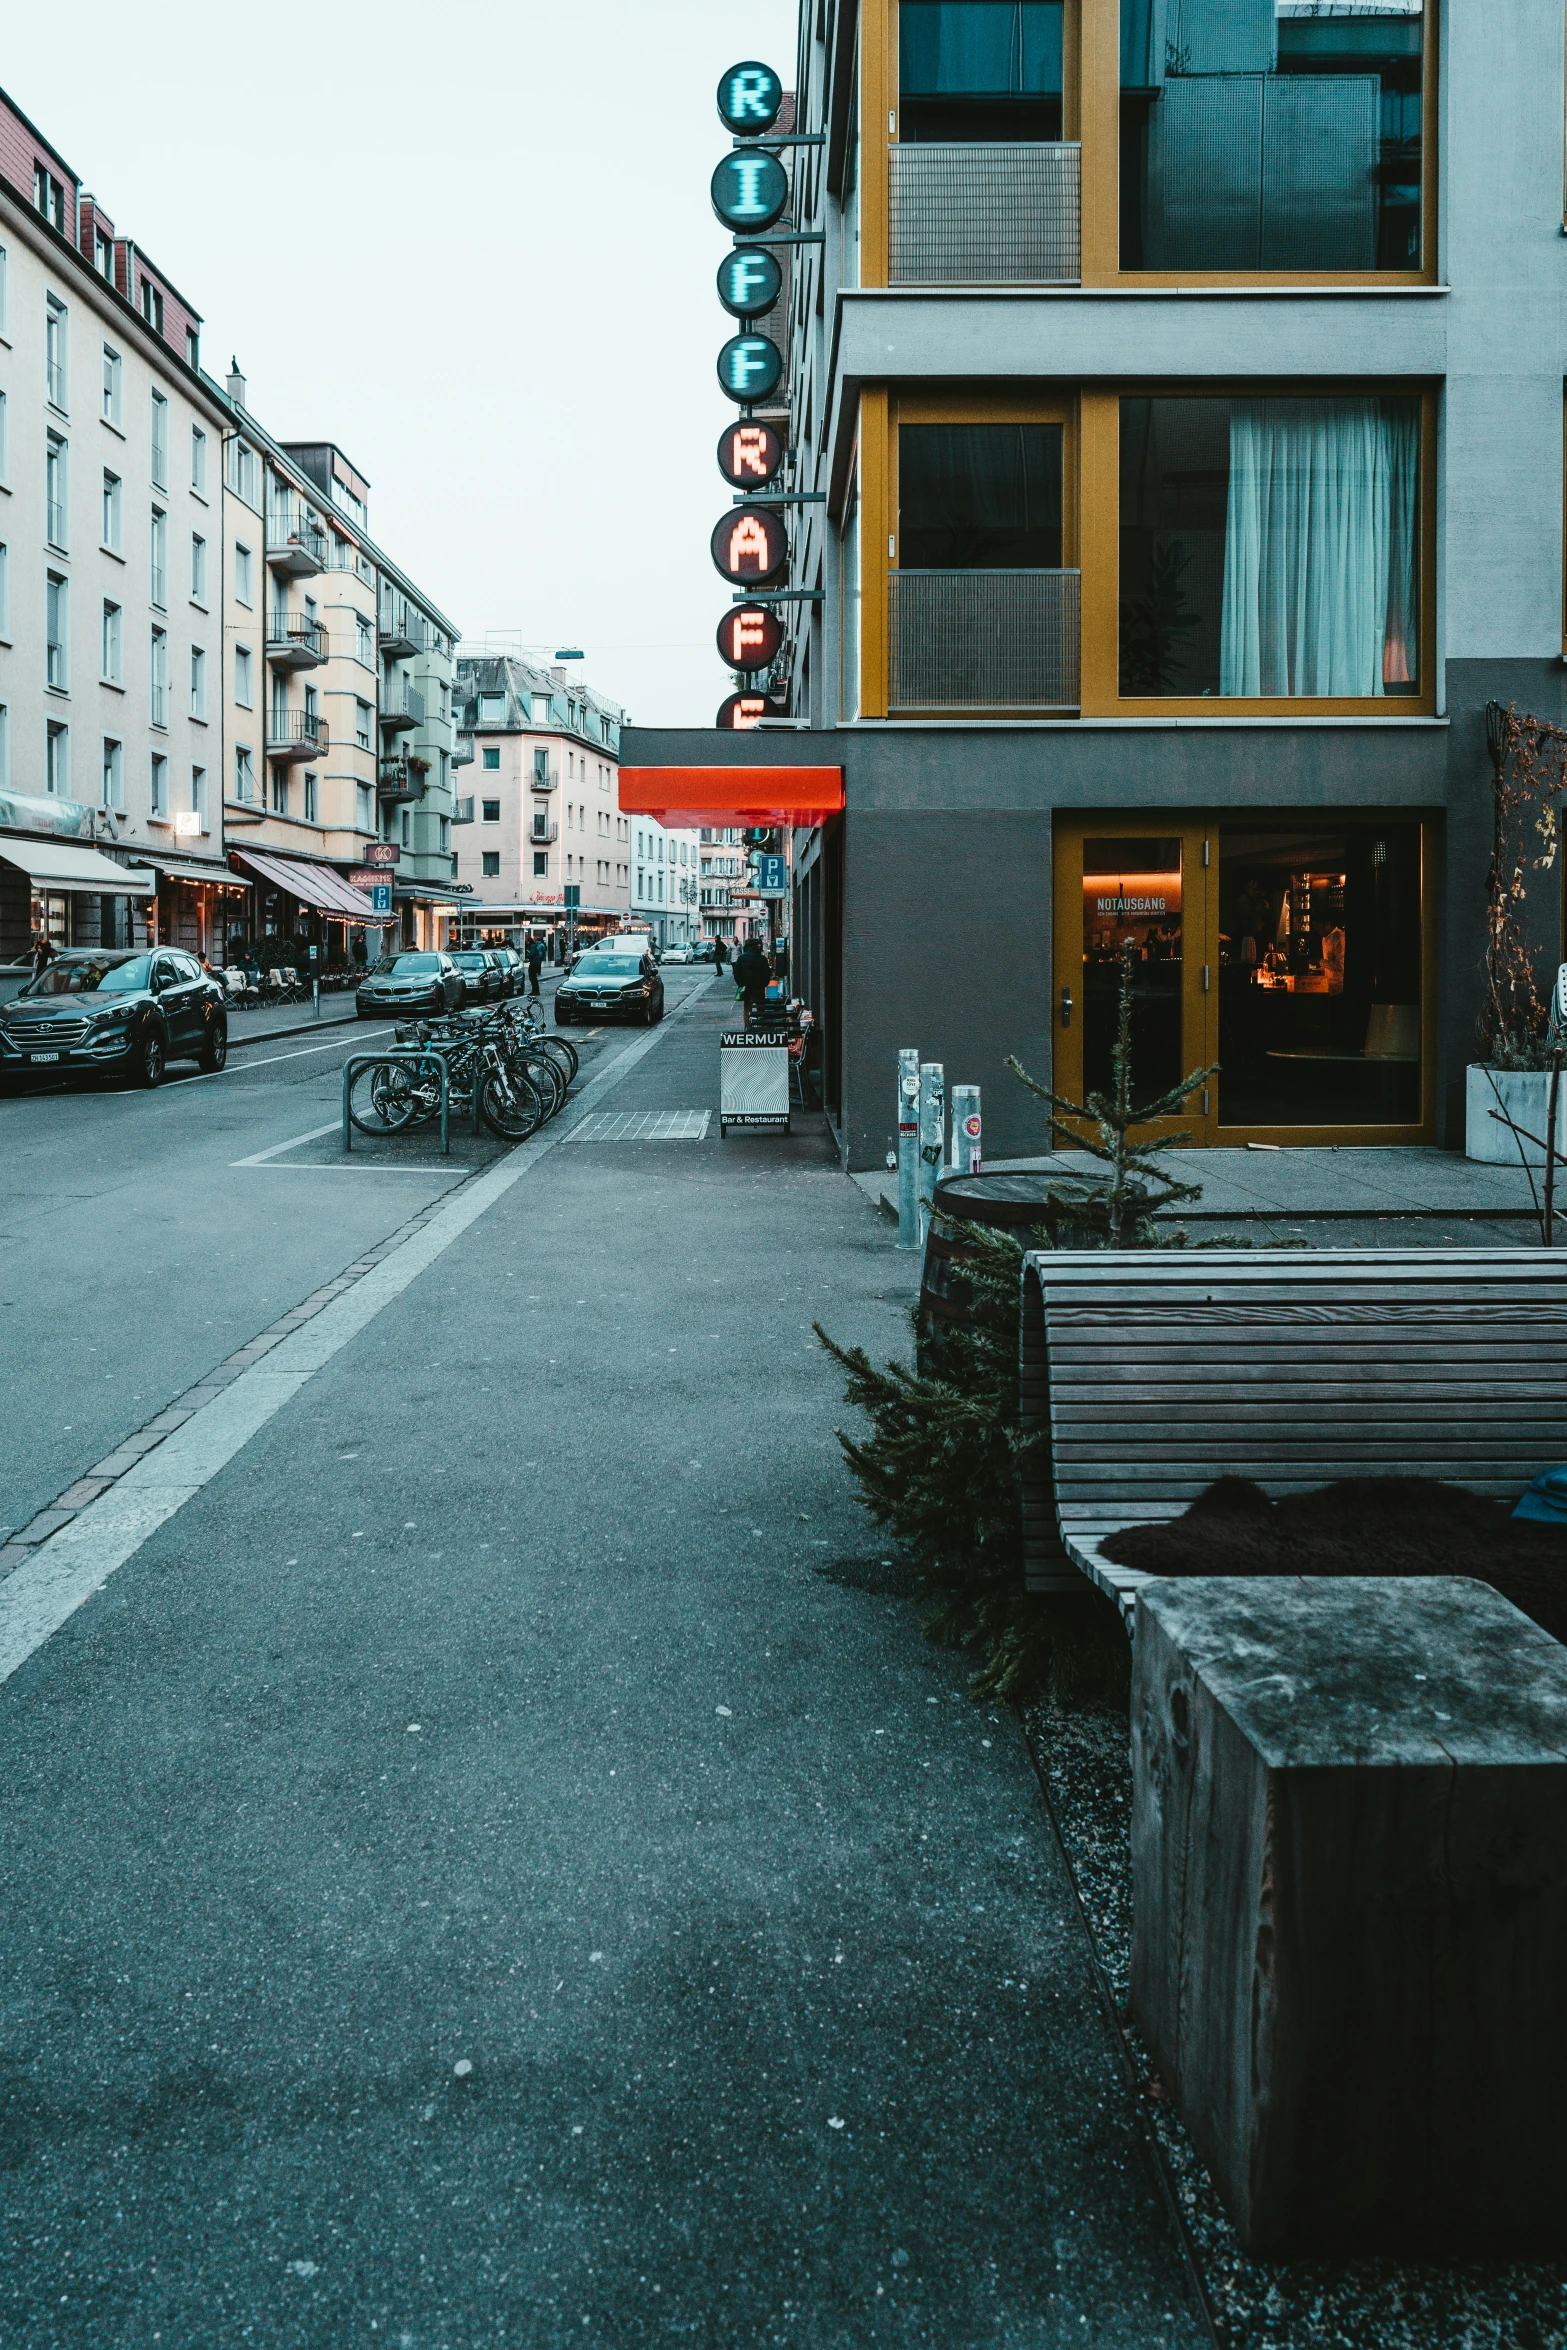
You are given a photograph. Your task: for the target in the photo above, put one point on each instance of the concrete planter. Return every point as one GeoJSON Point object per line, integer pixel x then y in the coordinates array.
{"type": "Point", "coordinates": [1522, 1094]}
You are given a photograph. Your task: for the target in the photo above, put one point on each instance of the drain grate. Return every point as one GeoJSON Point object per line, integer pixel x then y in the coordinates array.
{"type": "Point", "coordinates": [642, 1126]}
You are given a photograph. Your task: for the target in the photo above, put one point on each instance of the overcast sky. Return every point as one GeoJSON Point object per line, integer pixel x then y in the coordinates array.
{"type": "Point", "coordinates": [470, 243]}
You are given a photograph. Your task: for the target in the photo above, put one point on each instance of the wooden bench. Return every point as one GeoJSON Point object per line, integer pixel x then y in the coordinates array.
{"type": "Point", "coordinates": [1156, 1372]}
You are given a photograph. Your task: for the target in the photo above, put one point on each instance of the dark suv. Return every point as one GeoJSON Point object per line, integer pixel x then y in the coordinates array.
{"type": "Point", "coordinates": [119, 1009]}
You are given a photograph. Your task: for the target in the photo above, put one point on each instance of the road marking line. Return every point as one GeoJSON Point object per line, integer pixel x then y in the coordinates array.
{"type": "Point", "coordinates": [260, 1158]}
{"type": "Point", "coordinates": [63, 1573]}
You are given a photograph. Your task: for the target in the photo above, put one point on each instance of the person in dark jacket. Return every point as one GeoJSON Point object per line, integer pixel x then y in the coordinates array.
{"type": "Point", "coordinates": [720, 952]}
{"type": "Point", "coordinates": [751, 976]}
{"type": "Point", "coordinates": [535, 963]}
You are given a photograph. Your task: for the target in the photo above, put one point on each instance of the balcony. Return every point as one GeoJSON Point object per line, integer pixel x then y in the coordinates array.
{"type": "Point", "coordinates": [398, 641]}
{"type": "Point", "coordinates": [402, 711]}
{"type": "Point", "coordinates": [973, 215]}
{"type": "Point", "coordinates": [541, 780]}
{"type": "Point", "coordinates": [543, 832]}
{"type": "Point", "coordinates": [296, 545]}
{"type": "Point", "coordinates": [296, 735]}
{"type": "Point", "coordinates": [397, 782]}
{"type": "Point", "coordinates": [293, 643]}
{"type": "Point", "coordinates": [983, 640]}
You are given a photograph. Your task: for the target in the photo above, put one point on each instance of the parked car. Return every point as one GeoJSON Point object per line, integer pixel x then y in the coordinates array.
{"type": "Point", "coordinates": [481, 982]}
{"type": "Point", "coordinates": [677, 954]}
{"type": "Point", "coordinates": [410, 983]}
{"type": "Point", "coordinates": [615, 981]}
{"type": "Point", "coordinates": [704, 951]}
{"type": "Point", "coordinates": [513, 971]}
{"type": "Point", "coordinates": [118, 1009]}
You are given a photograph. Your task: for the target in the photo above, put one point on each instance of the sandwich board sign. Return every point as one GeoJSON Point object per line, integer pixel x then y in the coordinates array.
{"type": "Point", "coordinates": [753, 1080]}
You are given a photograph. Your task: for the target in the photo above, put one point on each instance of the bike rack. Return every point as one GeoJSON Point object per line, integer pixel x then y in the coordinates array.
{"type": "Point", "coordinates": [416, 1057]}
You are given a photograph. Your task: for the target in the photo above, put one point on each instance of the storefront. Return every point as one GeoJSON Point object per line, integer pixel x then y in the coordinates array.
{"type": "Point", "coordinates": [199, 906]}
{"type": "Point", "coordinates": [1287, 953]}
{"type": "Point", "coordinates": [308, 909]}
{"type": "Point", "coordinates": [556, 926]}
{"type": "Point", "coordinates": [423, 907]}
{"type": "Point", "coordinates": [70, 894]}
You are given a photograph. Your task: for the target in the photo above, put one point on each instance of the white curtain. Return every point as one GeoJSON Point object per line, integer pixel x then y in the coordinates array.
{"type": "Point", "coordinates": [1320, 547]}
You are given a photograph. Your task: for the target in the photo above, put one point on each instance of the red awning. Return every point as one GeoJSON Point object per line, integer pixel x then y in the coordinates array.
{"type": "Point", "coordinates": [313, 885]}
{"type": "Point", "coordinates": [686, 798]}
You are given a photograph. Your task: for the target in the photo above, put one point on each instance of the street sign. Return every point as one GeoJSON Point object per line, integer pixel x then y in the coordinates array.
{"type": "Point", "coordinates": [749, 368]}
{"type": "Point", "coordinates": [749, 281]}
{"type": "Point", "coordinates": [741, 713]}
{"type": "Point", "coordinates": [382, 852]}
{"type": "Point", "coordinates": [749, 192]}
{"type": "Point", "coordinates": [750, 637]}
{"type": "Point", "coordinates": [366, 876]}
{"type": "Point", "coordinates": [749, 545]}
{"type": "Point", "coordinates": [380, 897]}
{"type": "Point", "coordinates": [573, 895]}
{"type": "Point", "coordinates": [750, 99]}
{"type": "Point", "coordinates": [750, 455]}
{"type": "Point", "coordinates": [772, 877]}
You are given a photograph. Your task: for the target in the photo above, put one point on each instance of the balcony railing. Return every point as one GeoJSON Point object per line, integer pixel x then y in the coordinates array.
{"type": "Point", "coordinates": [296, 734]}
{"type": "Point", "coordinates": [543, 832]}
{"type": "Point", "coordinates": [397, 781]}
{"type": "Point", "coordinates": [293, 643]}
{"type": "Point", "coordinates": [983, 640]}
{"type": "Point", "coordinates": [402, 710]}
{"type": "Point", "coordinates": [295, 543]}
{"type": "Point", "coordinates": [975, 215]}
{"type": "Point", "coordinates": [402, 639]}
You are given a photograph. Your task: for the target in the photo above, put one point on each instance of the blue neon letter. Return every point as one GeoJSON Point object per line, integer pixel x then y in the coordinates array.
{"type": "Point", "coordinates": [750, 93]}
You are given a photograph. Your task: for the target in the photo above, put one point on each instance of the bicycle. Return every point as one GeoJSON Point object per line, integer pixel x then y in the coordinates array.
{"type": "Point", "coordinates": [389, 1097]}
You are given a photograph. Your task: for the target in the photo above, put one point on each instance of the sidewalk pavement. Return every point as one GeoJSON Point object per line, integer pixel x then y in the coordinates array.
{"type": "Point", "coordinates": [502, 1864]}
{"type": "Point", "coordinates": [1394, 1180]}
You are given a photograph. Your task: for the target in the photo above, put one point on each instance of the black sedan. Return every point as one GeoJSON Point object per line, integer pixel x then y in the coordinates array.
{"type": "Point", "coordinates": [611, 983]}
{"type": "Point", "coordinates": [481, 980]}
{"type": "Point", "coordinates": [410, 983]}
{"type": "Point", "coordinates": [115, 1009]}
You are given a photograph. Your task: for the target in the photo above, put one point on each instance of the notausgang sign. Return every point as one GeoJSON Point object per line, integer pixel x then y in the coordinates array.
{"type": "Point", "coordinates": [749, 192]}
{"type": "Point", "coordinates": [749, 367]}
{"type": "Point", "coordinates": [750, 99]}
{"type": "Point", "coordinates": [749, 545]}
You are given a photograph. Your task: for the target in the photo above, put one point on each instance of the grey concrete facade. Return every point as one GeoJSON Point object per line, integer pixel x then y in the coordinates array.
{"type": "Point", "coordinates": [945, 929]}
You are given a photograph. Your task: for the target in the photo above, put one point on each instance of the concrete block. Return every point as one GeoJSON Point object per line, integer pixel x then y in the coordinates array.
{"type": "Point", "coordinates": [1349, 1864]}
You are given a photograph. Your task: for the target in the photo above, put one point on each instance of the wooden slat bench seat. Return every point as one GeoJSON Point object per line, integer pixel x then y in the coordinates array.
{"type": "Point", "coordinates": [1156, 1372]}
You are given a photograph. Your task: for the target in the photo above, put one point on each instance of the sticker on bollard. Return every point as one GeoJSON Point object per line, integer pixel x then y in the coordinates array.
{"type": "Point", "coordinates": [753, 1065]}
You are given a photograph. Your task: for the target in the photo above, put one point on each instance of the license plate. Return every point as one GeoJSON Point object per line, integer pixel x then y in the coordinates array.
{"type": "Point", "coordinates": [595, 1006]}
{"type": "Point", "coordinates": [43, 1056]}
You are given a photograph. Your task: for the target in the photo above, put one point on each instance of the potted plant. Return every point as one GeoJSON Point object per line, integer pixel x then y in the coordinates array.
{"type": "Point", "coordinates": [1508, 1087]}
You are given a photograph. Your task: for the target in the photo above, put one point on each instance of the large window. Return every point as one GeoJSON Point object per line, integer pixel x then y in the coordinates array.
{"type": "Point", "coordinates": [1320, 975]}
{"type": "Point", "coordinates": [1274, 135]}
{"type": "Point", "coordinates": [987, 70]}
{"type": "Point", "coordinates": [1270, 547]}
{"type": "Point", "coordinates": [979, 497]}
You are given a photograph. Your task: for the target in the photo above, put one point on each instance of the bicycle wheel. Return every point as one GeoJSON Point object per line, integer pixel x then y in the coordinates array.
{"type": "Point", "coordinates": [509, 1105]}
{"type": "Point", "coordinates": [546, 1080]}
{"type": "Point", "coordinates": [382, 1098]}
{"type": "Point", "coordinates": [560, 1049]}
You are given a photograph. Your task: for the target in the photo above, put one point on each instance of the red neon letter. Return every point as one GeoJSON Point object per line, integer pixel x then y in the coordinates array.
{"type": "Point", "coordinates": [748, 452]}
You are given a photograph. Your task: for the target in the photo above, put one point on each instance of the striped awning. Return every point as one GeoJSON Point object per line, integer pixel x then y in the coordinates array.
{"type": "Point", "coordinates": [313, 885]}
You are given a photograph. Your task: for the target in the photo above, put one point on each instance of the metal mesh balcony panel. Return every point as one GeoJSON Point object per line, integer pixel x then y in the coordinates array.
{"type": "Point", "coordinates": [983, 640]}
{"type": "Point", "coordinates": [970, 215]}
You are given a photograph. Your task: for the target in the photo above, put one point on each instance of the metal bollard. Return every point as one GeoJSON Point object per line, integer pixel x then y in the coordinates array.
{"type": "Point", "coordinates": [908, 1145]}
{"type": "Point", "coordinates": [933, 1138]}
{"type": "Point", "coordinates": [315, 997]}
{"type": "Point", "coordinates": [965, 1129]}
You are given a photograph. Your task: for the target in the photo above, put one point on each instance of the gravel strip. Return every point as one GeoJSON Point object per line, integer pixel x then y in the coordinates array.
{"type": "Point", "coordinates": [1085, 1766]}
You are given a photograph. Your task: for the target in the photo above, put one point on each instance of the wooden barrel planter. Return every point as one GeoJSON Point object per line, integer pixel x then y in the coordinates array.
{"type": "Point", "coordinates": [1032, 1204]}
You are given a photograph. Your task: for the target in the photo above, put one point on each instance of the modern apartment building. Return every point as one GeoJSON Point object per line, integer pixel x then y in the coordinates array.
{"type": "Point", "coordinates": [338, 677]}
{"type": "Point", "coordinates": [666, 880]}
{"type": "Point", "coordinates": [539, 755]}
{"type": "Point", "coordinates": [111, 579]}
{"type": "Point", "coordinates": [1183, 384]}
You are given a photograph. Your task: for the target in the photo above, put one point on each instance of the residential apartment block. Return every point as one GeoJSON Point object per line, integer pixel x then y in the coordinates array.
{"type": "Point", "coordinates": [540, 756]}
{"type": "Point", "coordinates": [111, 721]}
{"type": "Point", "coordinates": [666, 880]}
{"type": "Point", "coordinates": [1183, 384]}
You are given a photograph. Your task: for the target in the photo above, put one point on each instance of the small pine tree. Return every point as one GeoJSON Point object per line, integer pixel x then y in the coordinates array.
{"type": "Point", "coordinates": [943, 1464]}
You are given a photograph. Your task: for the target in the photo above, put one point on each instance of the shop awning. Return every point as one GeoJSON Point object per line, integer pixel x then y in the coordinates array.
{"type": "Point", "coordinates": [63, 865]}
{"type": "Point", "coordinates": [686, 798]}
{"type": "Point", "coordinates": [313, 885]}
{"type": "Point", "coordinates": [215, 876]}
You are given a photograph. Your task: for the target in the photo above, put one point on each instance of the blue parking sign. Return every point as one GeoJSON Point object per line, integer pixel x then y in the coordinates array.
{"type": "Point", "coordinates": [380, 897]}
{"type": "Point", "coordinates": [772, 877]}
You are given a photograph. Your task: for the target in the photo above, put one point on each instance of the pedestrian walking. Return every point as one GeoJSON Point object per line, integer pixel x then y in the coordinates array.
{"type": "Point", "coordinates": [720, 951]}
{"type": "Point", "coordinates": [751, 976]}
{"type": "Point", "coordinates": [535, 964]}
{"type": "Point", "coordinates": [43, 953]}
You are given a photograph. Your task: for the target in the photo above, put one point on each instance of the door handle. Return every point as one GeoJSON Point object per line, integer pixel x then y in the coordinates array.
{"type": "Point", "coordinates": [1066, 1007]}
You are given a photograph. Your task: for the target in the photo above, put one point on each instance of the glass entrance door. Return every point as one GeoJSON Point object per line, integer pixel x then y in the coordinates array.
{"type": "Point", "coordinates": [1136, 888]}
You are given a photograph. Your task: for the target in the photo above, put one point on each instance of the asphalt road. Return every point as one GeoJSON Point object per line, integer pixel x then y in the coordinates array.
{"type": "Point", "coordinates": [499, 1864]}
